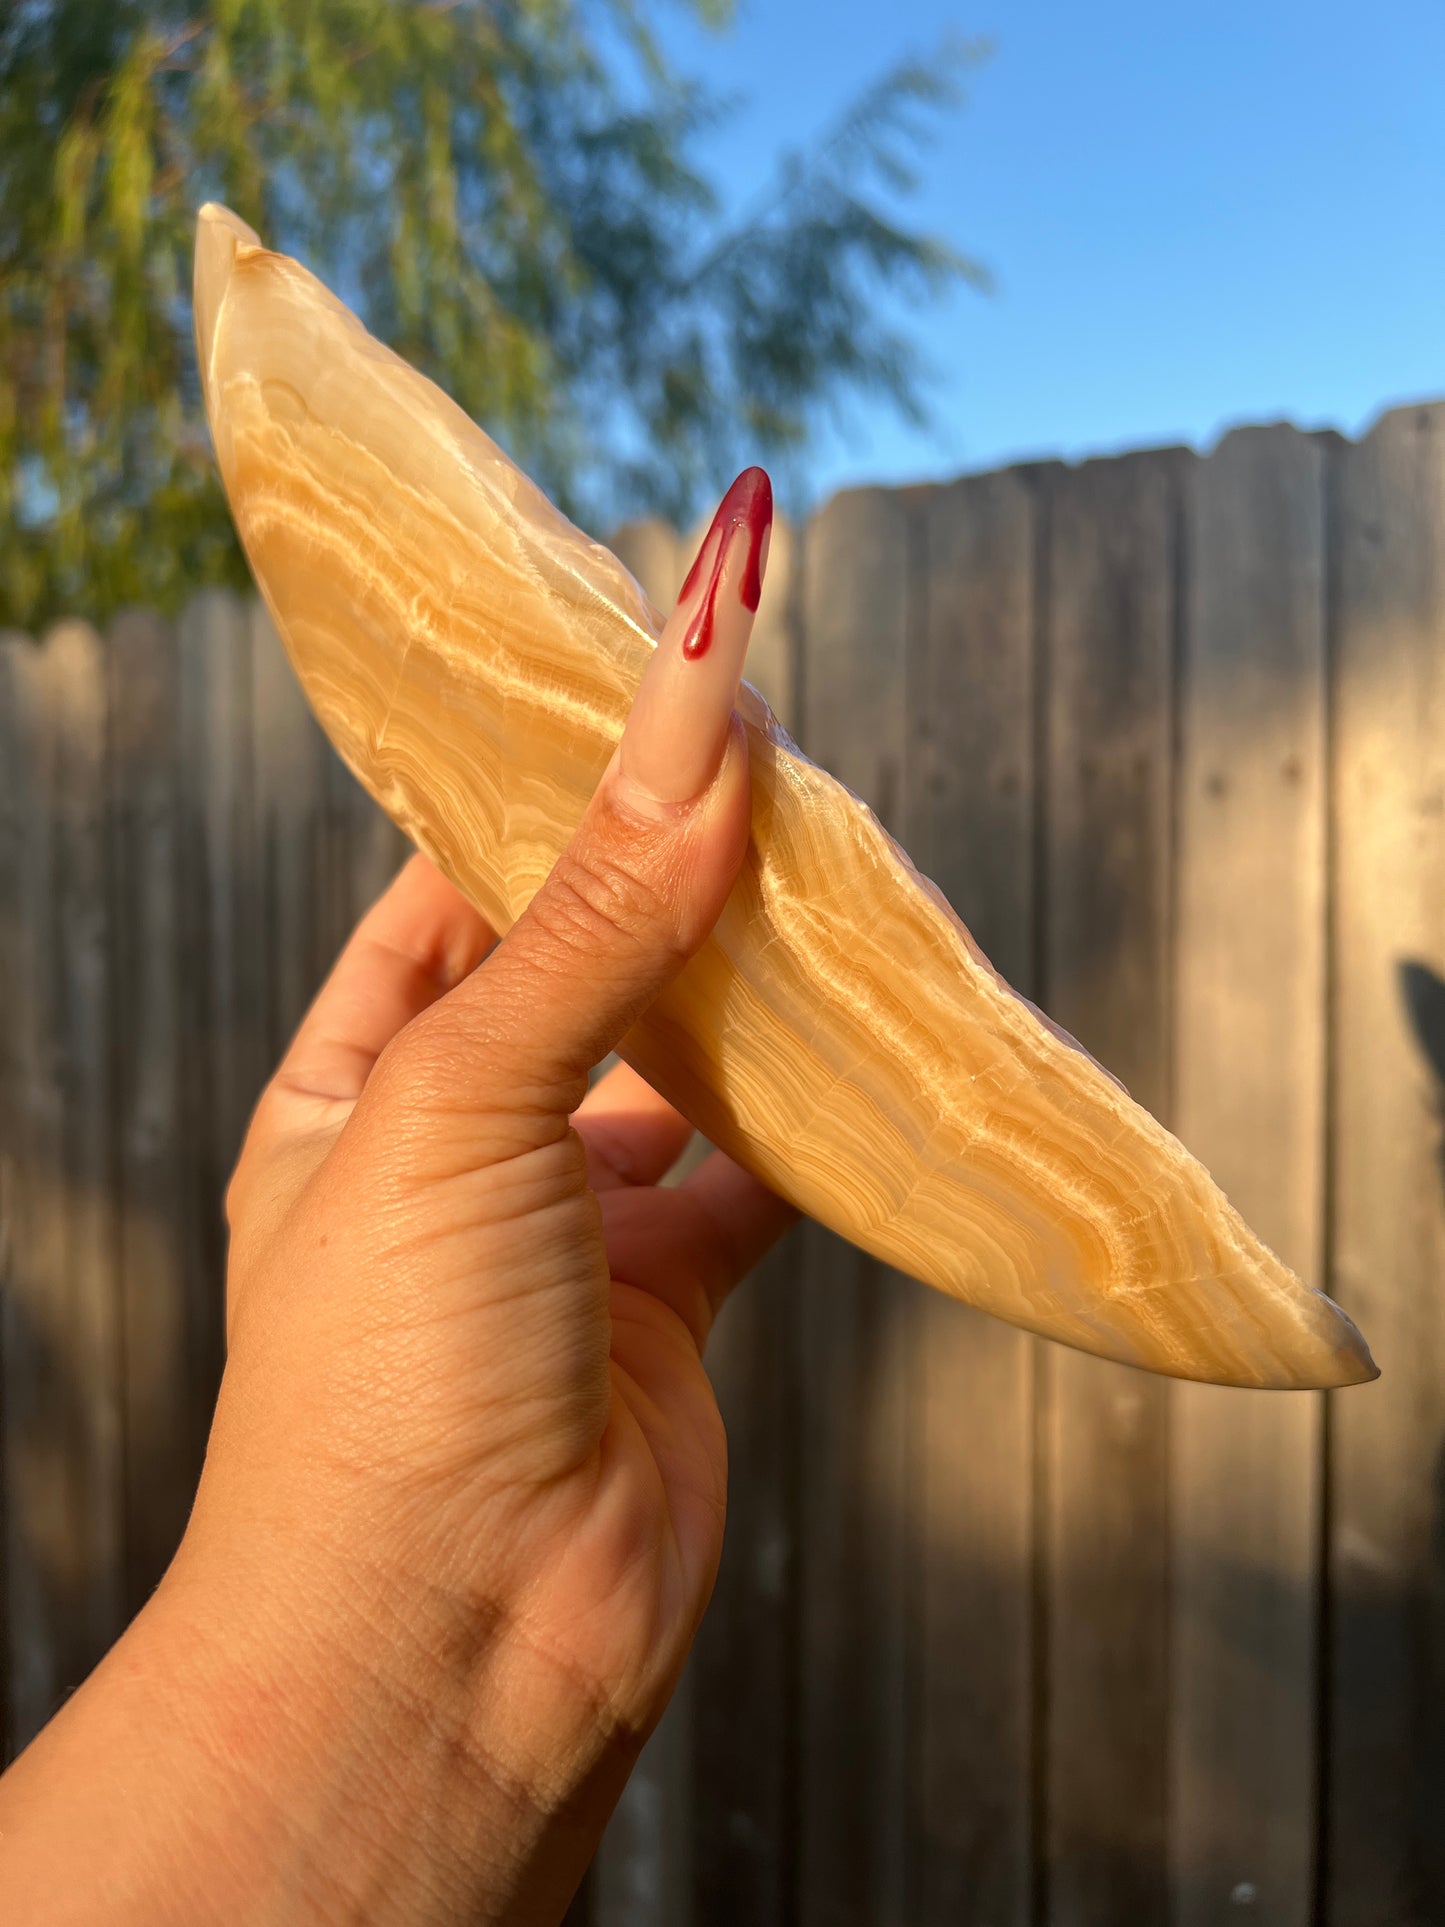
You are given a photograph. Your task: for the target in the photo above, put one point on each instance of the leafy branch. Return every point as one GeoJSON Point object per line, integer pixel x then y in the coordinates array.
{"type": "Point", "coordinates": [498, 199]}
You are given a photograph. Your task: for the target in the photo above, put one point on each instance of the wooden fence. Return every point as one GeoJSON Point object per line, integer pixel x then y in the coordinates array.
{"type": "Point", "coordinates": [1004, 1635]}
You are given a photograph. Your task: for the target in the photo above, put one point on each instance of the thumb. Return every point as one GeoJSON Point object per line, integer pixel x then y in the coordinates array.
{"type": "Point", "coordinates": [640, 885]}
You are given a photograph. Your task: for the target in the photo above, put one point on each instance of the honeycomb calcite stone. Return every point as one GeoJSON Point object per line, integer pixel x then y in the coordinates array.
{"type": "Point", "coordinates": [473, 657]}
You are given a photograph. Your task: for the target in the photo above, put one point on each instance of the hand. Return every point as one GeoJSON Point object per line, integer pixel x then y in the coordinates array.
{"type": "Point", "coordinates": [463, 1503]}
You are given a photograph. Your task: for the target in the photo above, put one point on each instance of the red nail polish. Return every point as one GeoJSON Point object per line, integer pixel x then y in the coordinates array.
{"type": "Point", "coordinates": [747, 506]}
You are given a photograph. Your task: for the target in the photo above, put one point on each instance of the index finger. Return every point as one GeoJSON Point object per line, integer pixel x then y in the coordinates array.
{"type": "Point", "coordinates": [418, 940]}
{"type": "Point", "coordinates": [630, 1134]}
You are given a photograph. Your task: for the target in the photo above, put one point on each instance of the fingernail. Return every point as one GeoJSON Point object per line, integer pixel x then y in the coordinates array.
{"type": "Point", "coordinates": [673, 744]}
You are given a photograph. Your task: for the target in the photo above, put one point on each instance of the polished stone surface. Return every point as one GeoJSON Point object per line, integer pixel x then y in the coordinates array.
{"type": "Point", "coordinates": [473, 658]}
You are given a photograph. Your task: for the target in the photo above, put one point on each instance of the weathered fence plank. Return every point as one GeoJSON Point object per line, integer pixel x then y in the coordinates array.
{"type": "Point", "coordinates": [1385, 1811]}
{"type": "Point", "coordinates": [16, 744]}
{"type": "Point", "coordinates": [376, 851]}
{"type": "Point", "coordinates": [343, 819]}
{"type": "Point", "coordinates": [702, 1829]}
{"type": "Point", "coordinates": [658, 557]}
{"type": "Point", "coordinates": [150, 1142]}
{"type": "Point", "coordinates": [744, 1669]}
{"type": "Point", "coordinates": [32, 1399]}
{"type": "Point", "coordinates": [1110, 624]}
{"type": "Point", "coordinates": [857, 1316]}
{"type": "Point", "coordinates": [775, 650]}
{"type": "Point", "coordinates": [970, 740]}
{"type": "Point", "coordinates": [224, 1045]}
{"type": "Point", "coordinates": [63, 1412]}
{"type": "Point", "coordinates": [293, 853]}
{"type": "Point", "coordinates": [1250, 1102]}
{"type": "Point", "coordinates": [643, 1873]}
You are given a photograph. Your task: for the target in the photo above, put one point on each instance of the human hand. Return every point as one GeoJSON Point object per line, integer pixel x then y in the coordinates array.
{"type": "Point", "coordinates": [463, 1502]}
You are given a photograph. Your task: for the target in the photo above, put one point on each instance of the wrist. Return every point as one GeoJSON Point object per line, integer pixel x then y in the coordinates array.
{"type": "Point", "coordinates": [293, 1753]}
{"type": "Point", "coordinates": [400, 1757]}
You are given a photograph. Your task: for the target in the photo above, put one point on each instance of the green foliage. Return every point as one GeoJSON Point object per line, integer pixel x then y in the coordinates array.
{"type": "Point", "coordinates": [503, 188]}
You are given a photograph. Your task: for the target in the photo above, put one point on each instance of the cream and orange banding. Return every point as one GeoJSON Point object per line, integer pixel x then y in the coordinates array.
{"type": "Point", "coordinates": [838, 1034]}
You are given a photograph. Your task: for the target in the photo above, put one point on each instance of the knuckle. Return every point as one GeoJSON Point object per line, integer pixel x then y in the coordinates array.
{"type": "Point", "coordinates": [594, 900]}
{"type": "Point", "coordinates": [414, 1068]}
{"type": "Point", "coordinates": [463, 1062]}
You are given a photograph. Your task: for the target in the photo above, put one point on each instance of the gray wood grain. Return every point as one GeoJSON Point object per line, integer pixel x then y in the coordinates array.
{"type": "Point", "coordinates": [1250, 1097]}
{"type": "Point", "coordinates": [1110, 624]}
{"type": "Point", "coordinates": [703, 1830]}
{"type": "Point", "coordinates": [772, 665]}
{"type": "Point", "coordinates": [293, 853]}
{"type": "Point", "coordinates": [377, 851]}
{"type": "Point", "coordinates": [25, 1368]}
{"type": "Point", "coordinates": [744, 1668]}
{"type": "Point", "coordinates": [151, 1149]}
{"type": "Point", "coordinates": [63, 1405]}
{"type": "Point", "coordinates": [857, 1318]}
{"type": "Point", "coordinates": [727, 1746]}
{"type": "Point", "coordinates": [13, 781]}
{"type": "Point", "coordinates": [969, 824]}
{"type": "Point", "coordinates": [657, 556]}
{"type": "Point", "coordinates": [643, 1870]}
{"type": "Point", "coordinates": [1385, 1815]}
{"type": "Point", "coordinates": [222, 1011]}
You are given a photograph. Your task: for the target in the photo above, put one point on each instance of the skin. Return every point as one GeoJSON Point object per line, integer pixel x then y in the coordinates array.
{"type": "Point", "coordinates": [463, 1503]}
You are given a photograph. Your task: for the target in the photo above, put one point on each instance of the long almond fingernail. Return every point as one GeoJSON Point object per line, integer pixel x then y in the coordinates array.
{"type": "Point", "coordinates": [673, 744]}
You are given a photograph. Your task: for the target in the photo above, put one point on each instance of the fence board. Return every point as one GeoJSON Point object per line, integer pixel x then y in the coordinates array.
{"type": "Point", "coordinates": [1386, 1783]}
{"type": "Point", "coordinates": [658, 557]}
{"type": "Point", "coordinates": [343, 817]}
{"type": "Point", "coordinates": [1250, 1102]}
{"type": "Point", "coordinates": [25, 1367]}
{"type": "Point", "coordinates": [701, 1830]}
{"type": "Point", "coordinates": [62, 1353]}
{"type": "Point", "coordinates": [377, 850]}
{"type": "Point", "coordinates": [14, 774]}
{"type": "Point", "coordinates": [744, 1669]}
{"type": "Point", "coordinates": [223, 1012]}
{"type": "Point", "coordinates": [1109, 645]}
{"type": "Point", "coordinates": [971, 761]}
{"type": "Point", "coordinates": [776, 641]}
{"type": "Point", "coordinates": [289, 788]}
{"type": "Point", "coordinates": [856, 1336]}
{"type": "Point", "coordinates": [643, 1872]}
{"type": "Point", "coordinates": [150, 1142]}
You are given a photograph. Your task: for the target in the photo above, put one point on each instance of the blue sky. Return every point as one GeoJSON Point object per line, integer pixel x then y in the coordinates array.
{"type": "Point", "coordinates": [1195, 215]}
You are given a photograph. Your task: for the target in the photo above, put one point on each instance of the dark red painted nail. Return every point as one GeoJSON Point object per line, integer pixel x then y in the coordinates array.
{"type": "Point", "coordinates": [747, 506]}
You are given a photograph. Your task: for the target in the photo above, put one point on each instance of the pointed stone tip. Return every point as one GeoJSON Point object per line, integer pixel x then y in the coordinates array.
{"type": "Point", "coordinates": [220, 235]}
{"type": "Point", "coordinates": [1350, 1360]}
{"type": "Point", "coordinates": [213, 215]}
{"type": "Point", "coordinates": [1360, 1367]}
{"type": "Point", "coordinates": [1317, 1347]}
